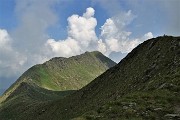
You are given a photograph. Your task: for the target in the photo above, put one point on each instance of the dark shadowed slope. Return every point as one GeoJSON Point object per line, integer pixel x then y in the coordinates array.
{"type": "Point", "coordinates": [144, 85]}
{"type": "Point", "coordinates": [51, 81]}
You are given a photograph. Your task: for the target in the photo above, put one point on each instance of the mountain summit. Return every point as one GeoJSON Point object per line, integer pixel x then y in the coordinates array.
{"type": "Point", "coordinates": [144, 85]}
{"type": "Point", "coordinates": [42, 82]}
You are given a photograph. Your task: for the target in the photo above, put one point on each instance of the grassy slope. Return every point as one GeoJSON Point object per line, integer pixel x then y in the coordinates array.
{"type": "Point", "coordinates": [144, 85]}
{"type": "Point", "coordinates": [62, 75]}
{"type": "Point", "coordinates": [26, 97]}
{"type": "Point", "coordinates": [72, 73]}
{"type": "Point", "coordinates": [152, 90]}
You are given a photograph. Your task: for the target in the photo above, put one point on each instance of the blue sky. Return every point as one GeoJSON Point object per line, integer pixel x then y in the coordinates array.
{"type": "Point", "coordinates": [147, 17]}
{"type": "Point", "coordinates": [63, 10]}
{"type": "Point", "coordinates": [150, 17]}
{"type": "Point", "coordinates": [33, 31]}
{"type": "Point", "coordinates": [8, 20]}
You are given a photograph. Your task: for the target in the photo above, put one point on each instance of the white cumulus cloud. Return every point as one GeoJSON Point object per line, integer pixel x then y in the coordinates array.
{"type": "Point", "coordinates": [116, 38]}
{"type": "Point", "coordinates": [29, 44]}
{"type": "Point", "coordinates": [147, 36]}
{"type": "Point", "coordinates": [5, 40]}
{"type": "Point", "coordinates": [64, 48]}
{"type": "Point", "coordinates": [81, 36]}
{"type": "Point", "coordinates": [101, 46]}
{"type": "Point", "coordinates": [11, 61]}
{"type": "Point", "coordinates": [89, 12]}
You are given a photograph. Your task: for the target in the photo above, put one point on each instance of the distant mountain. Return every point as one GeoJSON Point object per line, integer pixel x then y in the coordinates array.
{"type": "Point", "coordinates": [144, 85]}
{"type": "Point", "coordinates": [54, 79]}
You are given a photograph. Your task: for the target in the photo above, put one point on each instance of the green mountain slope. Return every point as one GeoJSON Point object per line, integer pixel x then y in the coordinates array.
{"type": "Point", "coordinates": [144, 85]}
{"type": "Point", "coordinates": [52, 80]}
{"type": "Point", "coordinates": [61, 74]}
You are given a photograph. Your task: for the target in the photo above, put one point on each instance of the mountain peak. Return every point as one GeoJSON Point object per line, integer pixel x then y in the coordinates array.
{"type": "Point", "coordinates": [60, 74]}
{"type": "Point", "coordinates": [93, 52]}
{"type": "Point", "coordinates": [146, 80]}
{"type": "Point", "coordinates": [144, 85]}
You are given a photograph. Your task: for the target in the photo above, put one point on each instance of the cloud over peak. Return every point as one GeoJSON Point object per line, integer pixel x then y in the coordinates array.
{"type": "Point", "coordinates": [29, 44]}
{"type": "Point", "coordinates": [81, 35]}
{"type": "Point", "coordinates": [89, 12]}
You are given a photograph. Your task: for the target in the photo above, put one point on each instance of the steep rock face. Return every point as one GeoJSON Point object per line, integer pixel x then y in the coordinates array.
{"type": "Point", "coordinates": [151, 71]}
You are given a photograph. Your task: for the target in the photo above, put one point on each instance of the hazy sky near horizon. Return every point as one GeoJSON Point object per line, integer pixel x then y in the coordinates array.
{"type": "Point", "coordinates": [33, 31]}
